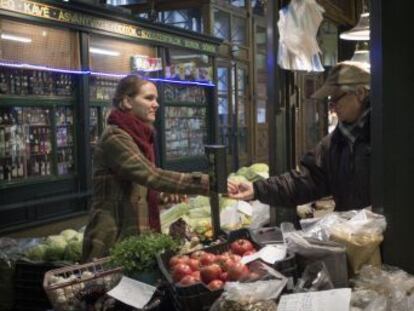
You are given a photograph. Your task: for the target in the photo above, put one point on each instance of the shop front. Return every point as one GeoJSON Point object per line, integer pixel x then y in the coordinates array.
{"type": "Point", "coordinates": [59, 67]}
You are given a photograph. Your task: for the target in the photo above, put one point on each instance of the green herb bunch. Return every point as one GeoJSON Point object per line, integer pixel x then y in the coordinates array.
{"type": "Point", "coordinates": [138, 253]}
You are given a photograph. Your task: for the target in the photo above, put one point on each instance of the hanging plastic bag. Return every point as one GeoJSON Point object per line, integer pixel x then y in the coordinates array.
{"type": "Point", "coordinates": [361, 235]}
{"type": "Point", "coordinates": [298, 26]}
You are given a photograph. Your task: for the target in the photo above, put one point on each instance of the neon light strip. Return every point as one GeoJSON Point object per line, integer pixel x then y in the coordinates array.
{"type": "Point", "coordinates": [185, 82]}
{"type": "Point", "coordinates": [109, 75]}
{"type": "Point", "coordinates": [102, 74]}
{"type": "Point", "coordinates": [44, 68]}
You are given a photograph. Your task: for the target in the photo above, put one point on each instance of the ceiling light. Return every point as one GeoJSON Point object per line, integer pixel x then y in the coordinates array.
{"type": "Point", "coordinates": [103, 52]}
{"type": "Point", "coordinates": [6, 36]}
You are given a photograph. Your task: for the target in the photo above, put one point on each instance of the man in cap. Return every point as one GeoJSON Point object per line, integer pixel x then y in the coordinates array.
{"type": "Point", "coordinates": [340, 164]}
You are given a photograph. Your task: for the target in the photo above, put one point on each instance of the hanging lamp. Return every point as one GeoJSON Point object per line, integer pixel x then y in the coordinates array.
{"type": "Point", "coordinates": [361, 54]}
{"type": "Point", "coordinates": [360, 31]}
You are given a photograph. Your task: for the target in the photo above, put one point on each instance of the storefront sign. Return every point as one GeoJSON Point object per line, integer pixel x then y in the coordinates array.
{"type": "Point", "coordinates": [41, 10]}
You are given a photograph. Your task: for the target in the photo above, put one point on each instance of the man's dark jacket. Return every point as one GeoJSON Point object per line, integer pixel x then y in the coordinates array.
{"type": "Point", "coordinates": [335, 167]}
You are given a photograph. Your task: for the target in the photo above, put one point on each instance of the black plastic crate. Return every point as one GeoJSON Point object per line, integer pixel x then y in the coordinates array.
{"type": "Point", "coordinates": [198, 297]}
{"type": "Point", "coordinates": [28, 285]}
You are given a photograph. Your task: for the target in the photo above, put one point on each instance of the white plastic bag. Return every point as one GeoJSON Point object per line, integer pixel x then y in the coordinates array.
{"type": "Point", "coordinates": [298, 26]}
{"type": "Point", "coordinates": [260, 216]}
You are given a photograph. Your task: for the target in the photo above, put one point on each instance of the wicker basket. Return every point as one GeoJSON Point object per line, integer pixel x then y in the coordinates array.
{"type": "Point", "coordinates": [78, 287]}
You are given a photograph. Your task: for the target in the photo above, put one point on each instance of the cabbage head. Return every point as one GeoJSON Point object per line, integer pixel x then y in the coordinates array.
{"type": "Point", "coordinates": [200, 201]}
{"type": "Point", "coordinates": [55, 249]}
{"type": "Point", "coordinates": [226, 202]}
{"type": "Point", "coordinates": [238, 179]}
{"type": "Point", "coordinates": [69, 234]}
{"type": "Point", "coordinates": [243, 171]}
{"type": "Point", "coordinates": [37, 253]}
{"type": "Point", "coordinates": [73, 251]}
{"type": "Point", "coordinates": [259, 168]}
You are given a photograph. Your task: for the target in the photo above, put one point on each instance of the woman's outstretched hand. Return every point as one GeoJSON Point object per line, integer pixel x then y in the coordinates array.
{"type": "Point", "coordinates": [240, 190]}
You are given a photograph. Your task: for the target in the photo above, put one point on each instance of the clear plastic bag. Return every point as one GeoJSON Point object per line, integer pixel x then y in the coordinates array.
{"type": "Point", "coordinates": [252, 296]}
{"type": "Point", "coordinates": [298, 26]}
{"type": "Point", "coordinates": [361, 235]}
{"type": "Point", "coordinates": [361, 232]}
{"type": "Point", "coordinates": [386, 289]}
{"type": "Point", "coordinates": [332, 254]}
{"type": "Point", "coordinates": [314, 278]}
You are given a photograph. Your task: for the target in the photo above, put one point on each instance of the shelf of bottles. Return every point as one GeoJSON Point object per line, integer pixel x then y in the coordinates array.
{"type": "Point", "coordinates": [185, 121]}
{"type": "Point", "coordinates": [21, 82]}
{"type": "Point", "coordinates": [64, 140]}
{"type": "Point", "coordinates": [33, 144]}
{"type": "Point", "coordinates": [101, 92]}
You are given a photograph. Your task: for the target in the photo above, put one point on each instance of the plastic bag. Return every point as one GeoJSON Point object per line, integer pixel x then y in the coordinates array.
{"type": "Point", "coordinates": [298, 26]}
{"type": "Point", "coordinates": [314, 278]}
{"type": "Point", "coordinates": [386, 289]}
{"type": "Point", "coordinates": [332, 254]}
{"type": "Point", "coordinates": [361, 232]}
{"type": "Point", "coordinates": [361, 235]}
{"type": "Point", "coordinates": [257, 296]}
{"type": "Point", "coordinates": [260, 215]}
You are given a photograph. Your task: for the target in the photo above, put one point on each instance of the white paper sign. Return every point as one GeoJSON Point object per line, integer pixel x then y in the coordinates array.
{"type": "Point", "coordinates": [335, 299]}
{"type": "Point", "coordinates": [133, 293]}
{"type": "Point", "coordinates": [269, 254]}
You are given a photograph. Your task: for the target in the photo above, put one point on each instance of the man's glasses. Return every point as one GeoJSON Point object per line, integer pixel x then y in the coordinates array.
{"type": "Point", "coordinates": [333, 101]}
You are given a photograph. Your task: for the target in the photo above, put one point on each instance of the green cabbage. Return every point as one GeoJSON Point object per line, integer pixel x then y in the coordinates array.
{"type": "Point", "coordinates": [73, 251]}
{"type": "Point", "coordinates": [243, 171]}
{"type": "Point", "coordinates": [200, 212]}
{"type": "Point", "coordinates": [199, 201]}
{"type": "Point", "coordinates": [259, 168]}
{"type": "Point", "coordinates": [55, 249]}
{"type": "Point", "coordinates": [37, 253]}
{"type": "Point", "coordinates": [174, 213]}
{"type": "Point", "coordinates": [69, 234]}
{"type": "Point", "coordinates": [226, 202]}
{"type": "Point", "coordinates": [238, 179]}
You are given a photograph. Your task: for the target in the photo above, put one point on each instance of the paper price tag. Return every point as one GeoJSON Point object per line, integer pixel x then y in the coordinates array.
{"type": "Point", "coordinates": [132, 293]}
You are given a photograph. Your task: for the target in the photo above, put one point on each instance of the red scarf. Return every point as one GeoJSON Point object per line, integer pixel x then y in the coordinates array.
{"type": "Point", "coordinates": [143, 136]}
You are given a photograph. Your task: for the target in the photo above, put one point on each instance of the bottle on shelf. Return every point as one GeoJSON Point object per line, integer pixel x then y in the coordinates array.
{"type": "Point", "coordinates": [2, 177]}
{"type": "Point", "coordinates": [4, 88]}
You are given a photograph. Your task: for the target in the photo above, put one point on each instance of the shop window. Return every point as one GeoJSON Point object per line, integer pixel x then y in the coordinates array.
{"type": "Point", "coordinates": [189, 19]}
{"type": "Point", "coordinates": [114, 56]}
{"type": "Point", "coordinates": [261, 111]}
{"type": "Point", "coordinates": [238, 3]}
{"type": "Point", "coordinates": [328, 43]}
{"type": "Point", "coordinates": [185, 106]}
{"type": "Point", "coordinates": [258, 7]}
{"type": "Point", "coordinates": [222, 25]}
{"type": "Point", "coordinates": [239, 31]}
{"type": "Point", "coordinates": [37, 45]}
